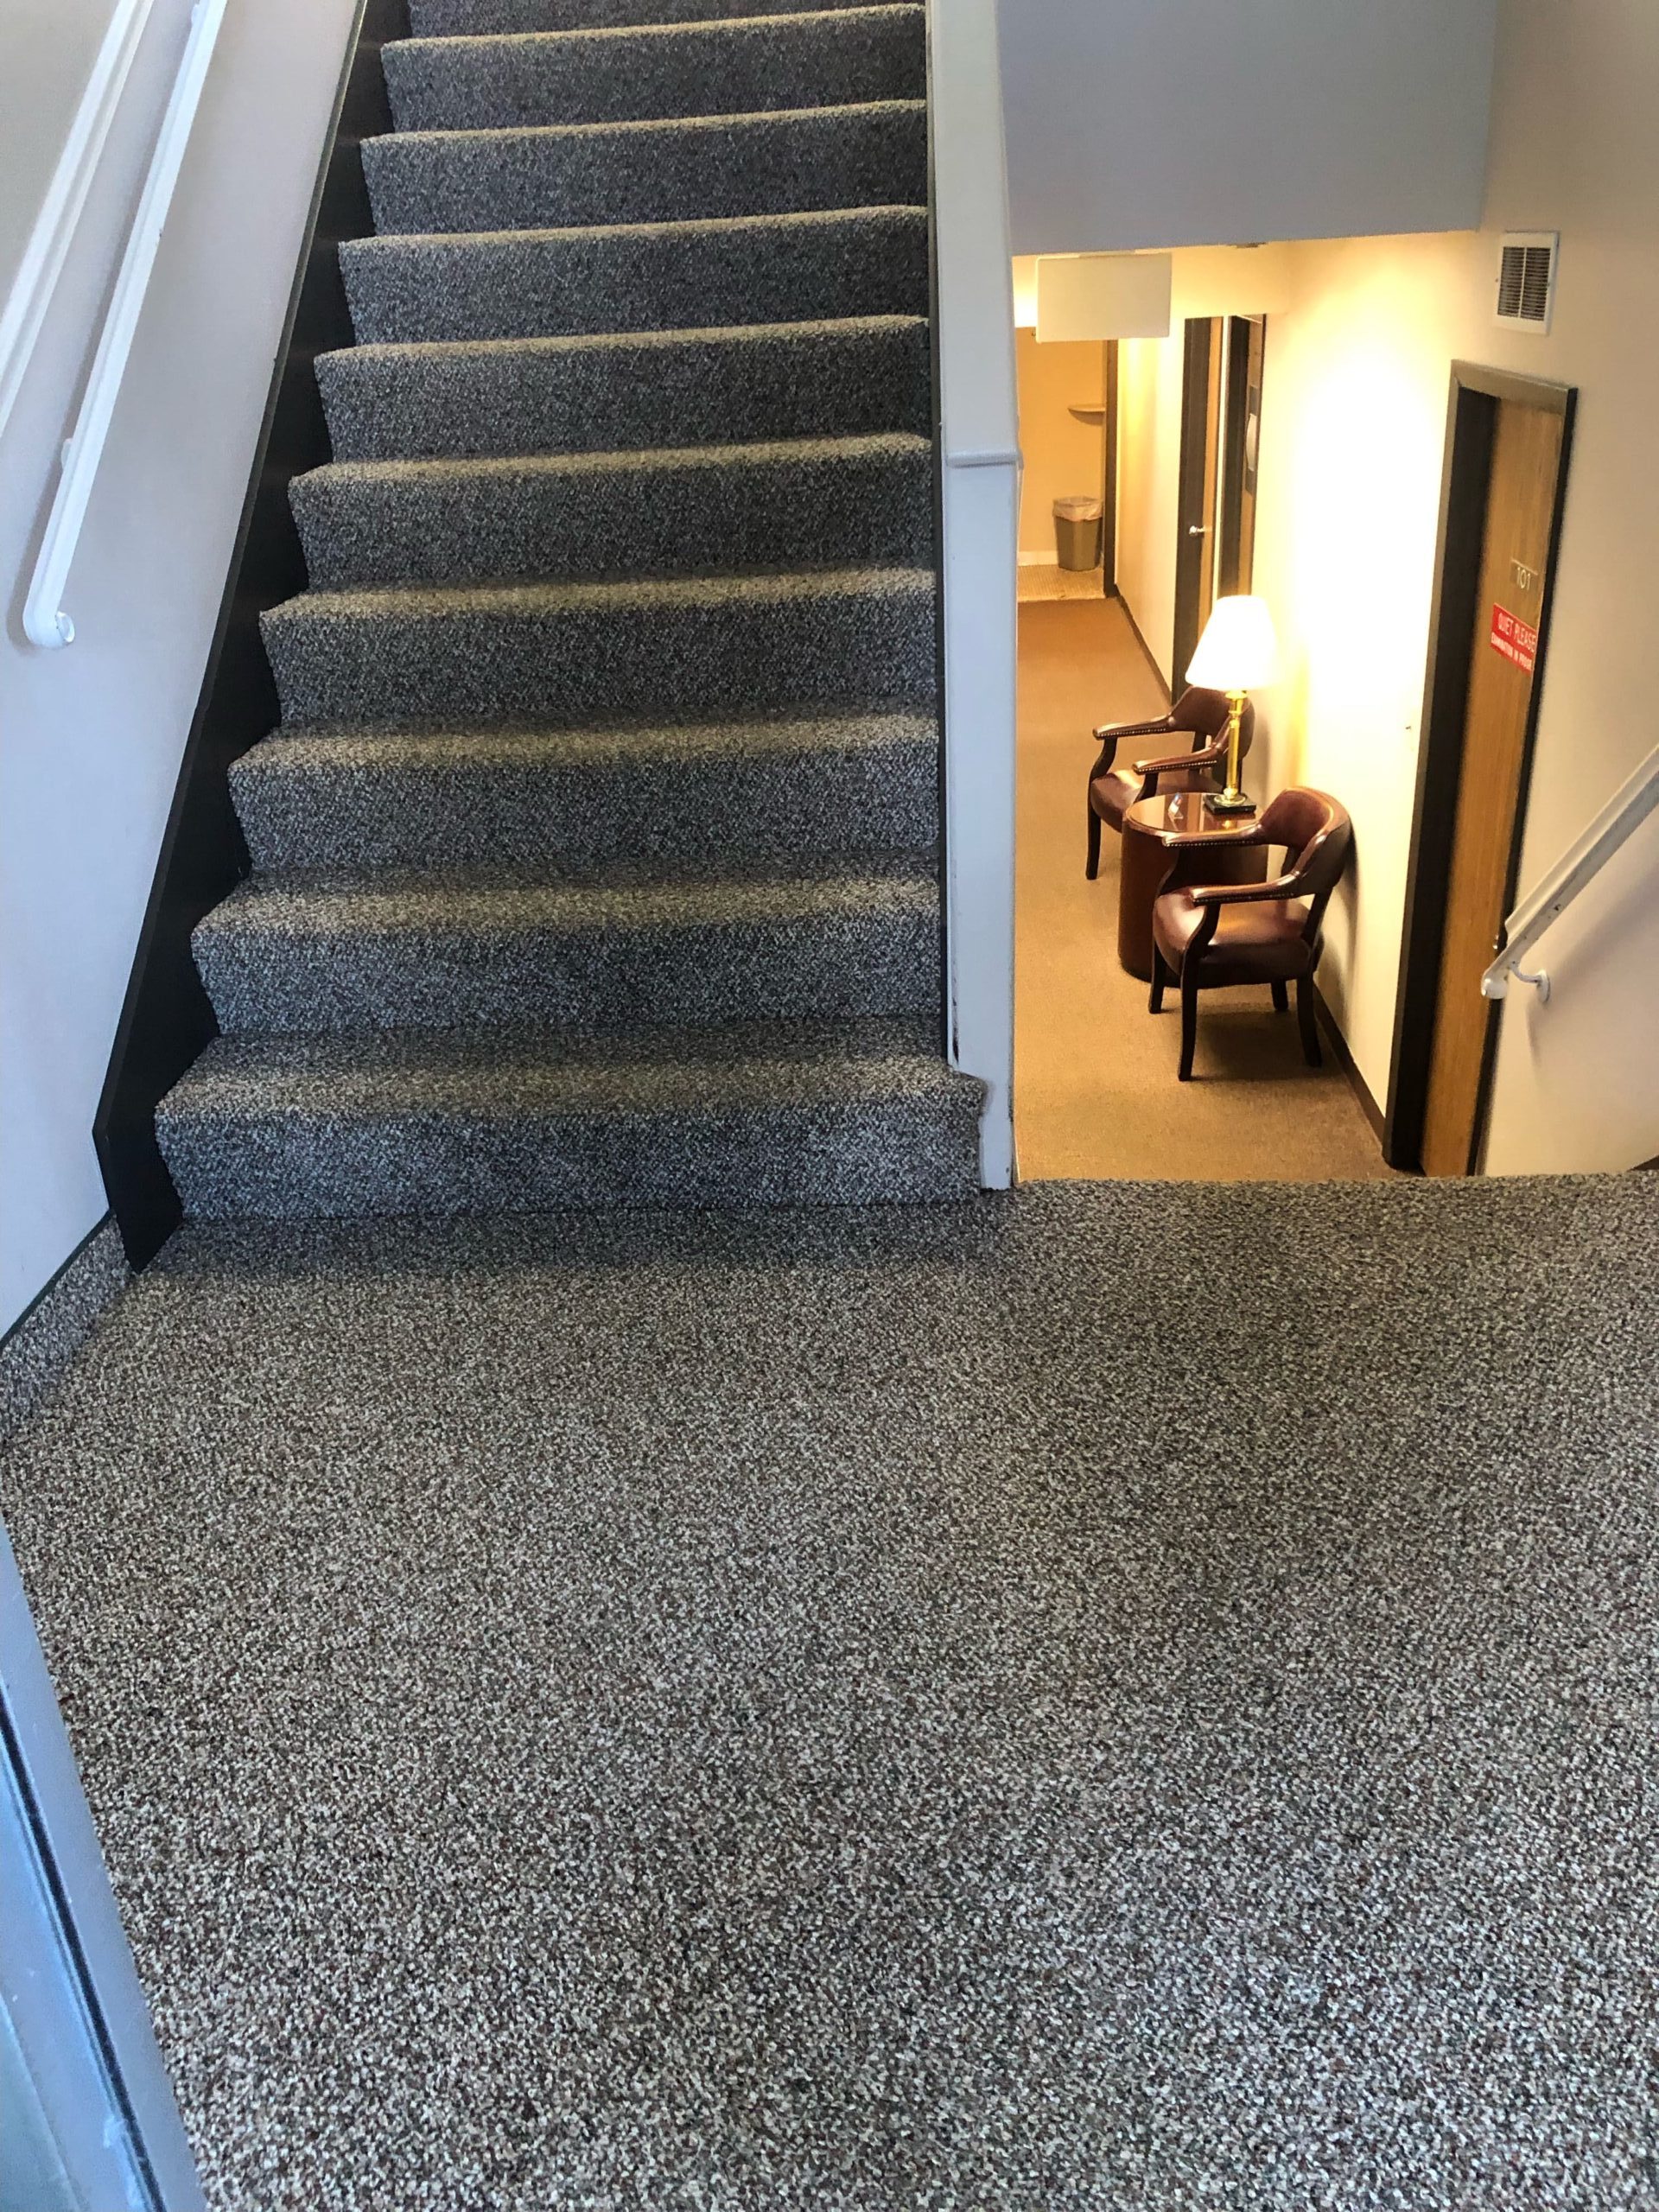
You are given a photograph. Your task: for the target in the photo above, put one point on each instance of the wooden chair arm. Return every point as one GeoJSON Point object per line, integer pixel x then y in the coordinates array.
{"type": "Point", "coordinates": [1241, 894]}
{"type": "Point", "coordinates": [1205, 756]}
{"type": "Point", "coordinates": [1110, 733]}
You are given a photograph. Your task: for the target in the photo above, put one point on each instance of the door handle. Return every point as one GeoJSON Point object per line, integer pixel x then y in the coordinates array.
{"type": "Point", "coordinates": [1198, 530]}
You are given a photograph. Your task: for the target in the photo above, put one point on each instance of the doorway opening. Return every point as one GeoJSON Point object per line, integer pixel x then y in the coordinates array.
{"type": "Point", "coordinates": [1099, 1092]}
{"type": "Point", "coordinates": [1508, 442]}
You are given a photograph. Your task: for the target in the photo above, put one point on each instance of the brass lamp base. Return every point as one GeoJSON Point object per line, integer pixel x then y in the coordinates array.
{"type": "Point", "coordinates": [1232, 800]}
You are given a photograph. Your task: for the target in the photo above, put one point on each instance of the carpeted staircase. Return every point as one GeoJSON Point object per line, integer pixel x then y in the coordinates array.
{"type": "Point", "coordinates": [594, 862]}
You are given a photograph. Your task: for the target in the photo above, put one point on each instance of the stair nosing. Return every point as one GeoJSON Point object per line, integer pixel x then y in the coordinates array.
{"type": "Point", "coordinates": [426, 137]}
{"type": "Point", "coordinates": [782, 734]}
{"type": "Point", "coordinates": [450, 40]}
{"type": "Point", "coordinates": [755, 454]}
{"type": "Point", "coordinates": [300, 905]}
{"type": "Point", "coordinates": [404, 241]}
{"type": "Point", "coordinates": [531, 597]}
{"type": "Point", "coordinates": [574, 341]}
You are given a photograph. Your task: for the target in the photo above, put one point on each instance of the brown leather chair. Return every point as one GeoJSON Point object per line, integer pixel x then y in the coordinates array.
{"type": "Point", "coordinates": [1198, 716]}
{"type": "Point", "coordinates": [1221, 933]}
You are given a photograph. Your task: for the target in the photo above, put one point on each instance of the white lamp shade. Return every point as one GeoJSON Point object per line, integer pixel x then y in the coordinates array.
{"type": "Point", "coordinates": [1238, 651]}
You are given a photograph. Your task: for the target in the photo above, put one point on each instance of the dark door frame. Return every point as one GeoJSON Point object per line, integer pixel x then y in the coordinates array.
{"type": "Point", "coordinates": [1466, 479]}
{"type": "Point", "coordinates": [1193, 545]}
{"type": "Point", "coordinates": [1108, 471]}
{"type": "Point", "coordinates": [1240, 413]}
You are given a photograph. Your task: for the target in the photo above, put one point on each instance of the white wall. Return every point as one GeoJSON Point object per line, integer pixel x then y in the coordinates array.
{"type": "Point", "coordinates": [90, 738]}
{"type": "Point", "coordinates": [1220, 121]}
{"type": "Point", "coordinates": [1355, 389]}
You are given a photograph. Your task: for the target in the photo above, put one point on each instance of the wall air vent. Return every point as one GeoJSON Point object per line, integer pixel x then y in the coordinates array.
{"type": "Point", "coordinates": [1526, 279]}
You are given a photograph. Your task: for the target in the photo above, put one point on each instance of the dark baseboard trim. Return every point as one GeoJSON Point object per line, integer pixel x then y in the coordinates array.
{"type": "Point", "coordinates": [1145, 650]}
{"type": "Point", "coordinates": [57, 1321]}
{"type": "Point", "coordinates": [1357, 1082]}
{"type": "Point", "coordinates": [167, 1021]}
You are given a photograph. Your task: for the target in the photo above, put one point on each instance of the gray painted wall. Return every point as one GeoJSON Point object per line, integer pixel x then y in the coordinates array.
{"type": "Point", "coordinates": [1157, 122]}
{"type": "Point", "coordinates": [90, 738]}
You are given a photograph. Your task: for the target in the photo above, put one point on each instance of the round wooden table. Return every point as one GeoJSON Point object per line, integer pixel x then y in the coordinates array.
{"type": "Point", "coordinates": [1169, 840]}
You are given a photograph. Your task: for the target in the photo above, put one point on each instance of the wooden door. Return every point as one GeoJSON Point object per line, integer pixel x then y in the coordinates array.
{"type": "Point", "coordinates": [1514, 564]}
{"type": "Point", "coordinates": [1199, 476]}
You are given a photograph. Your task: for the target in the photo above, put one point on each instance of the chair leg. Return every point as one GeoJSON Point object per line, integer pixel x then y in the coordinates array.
{"type": "Point", "coordinates": [1309, 1022]}
{"type": "Point", "coordinates": [1189, 1019]}
{"type": "Point", "coordinates": [1280, 999]}
{"type": "Point", "coordinates": [1093, 868]}
{"type": "Point", "coordinates": [1160, 976]}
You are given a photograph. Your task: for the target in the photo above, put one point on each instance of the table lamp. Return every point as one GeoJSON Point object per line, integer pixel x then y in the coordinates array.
{"type": "Point", "coordinates": [1236, 653]}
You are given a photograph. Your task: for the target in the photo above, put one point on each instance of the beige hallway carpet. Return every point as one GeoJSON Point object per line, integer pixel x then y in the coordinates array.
{"type": "Point", "coordinates": [1095, 1088]}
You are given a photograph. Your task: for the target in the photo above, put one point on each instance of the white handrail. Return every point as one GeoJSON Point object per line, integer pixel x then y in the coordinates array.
{"type": "Point", "coordinates": [1626, 810]}
{"type": "Point", "coordinates": [980, 436]}
{"type": "Point", "coordinates": [55, 226]}
{"type": "Point", "coordinates": [44, 621]}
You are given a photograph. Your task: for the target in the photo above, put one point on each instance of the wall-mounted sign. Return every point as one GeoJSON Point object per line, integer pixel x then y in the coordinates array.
{"type": "Point", "coordinates": [1515, 639]}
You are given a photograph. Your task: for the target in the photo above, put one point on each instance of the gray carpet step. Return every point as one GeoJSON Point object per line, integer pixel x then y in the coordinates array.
{"type": "Point", "coordinates": [839, 503]}
{"type": "Point", "coordinates": [745, 64]}
{"type": "Point", "coordinates": [873, 155]}
{"type": "Point", "coordinates": [691, 648]}
{"type": "Point", "coordinates": [443, 1123]}
{"type": "Point", "coordinates": [460, 952]}
{"type": "Point", "coordinates": [473, 19]}
{"type": "Point", "coordinates": [705, 793]}
{"type": "Point", "coordinates": [609, 394]}
{"type": "Point", "coordinates": [734, 269]}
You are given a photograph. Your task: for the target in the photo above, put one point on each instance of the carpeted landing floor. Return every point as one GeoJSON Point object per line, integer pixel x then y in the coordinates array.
{"type": "Point", "coordinates": [1128, 1697]}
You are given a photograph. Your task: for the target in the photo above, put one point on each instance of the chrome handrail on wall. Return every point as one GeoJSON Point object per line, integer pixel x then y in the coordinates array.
{"type": "Point", "coordinates": [1626, 810]}
{"type": "Point", "coordinates": [980, 437]}
{"type": "Point", "coordinates": [45, 622]}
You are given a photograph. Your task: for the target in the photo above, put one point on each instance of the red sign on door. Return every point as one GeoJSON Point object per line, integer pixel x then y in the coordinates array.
{"type": "Point", "coordinates": [1515, 639]}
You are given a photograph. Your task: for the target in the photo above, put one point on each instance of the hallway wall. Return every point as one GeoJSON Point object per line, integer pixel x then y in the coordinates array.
{"type": "Point", "coordinates": [1061, 454]}
{"type": "Point", "coordinates": [1354, 416]}
{"type": "Point", "coordinates": [92, 736]}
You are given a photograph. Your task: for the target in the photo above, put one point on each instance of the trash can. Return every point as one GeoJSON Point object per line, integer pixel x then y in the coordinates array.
{"type": "Point", "coordinates": [1076, 532]}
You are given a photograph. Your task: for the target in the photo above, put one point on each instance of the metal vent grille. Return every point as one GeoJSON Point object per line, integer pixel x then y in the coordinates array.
{"type": "Point", "coordinates": [1526, 280]}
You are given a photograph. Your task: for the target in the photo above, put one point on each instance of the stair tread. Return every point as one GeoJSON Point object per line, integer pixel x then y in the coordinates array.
{"type": "Point", "coordinates": [628, 72]}
{"type": "Point", "coordinates": [529, 599]}
{"type": "Point", "coordinates": [633, 127]}
{"type": "Point", "coordinates": [622, 744]}
{"type": "Point", "coordinates": [897, 445]}
{"type": "Point", "coordinates": [535, 1070]}
{"type": "Point", "coordinates": [425, 13]}
{"type": "Point", "coordinates": [789, 18]}
{"type": "Point", "coordinates": [820, 219]}
{"type": "Point", "coordinates": [338, 902]}
{"type": "Point", "coordinates": [393, 351]}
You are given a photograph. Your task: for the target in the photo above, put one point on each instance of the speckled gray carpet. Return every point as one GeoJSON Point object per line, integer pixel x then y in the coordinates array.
{"type": "Point", "coordinates": [1135, 1697]}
